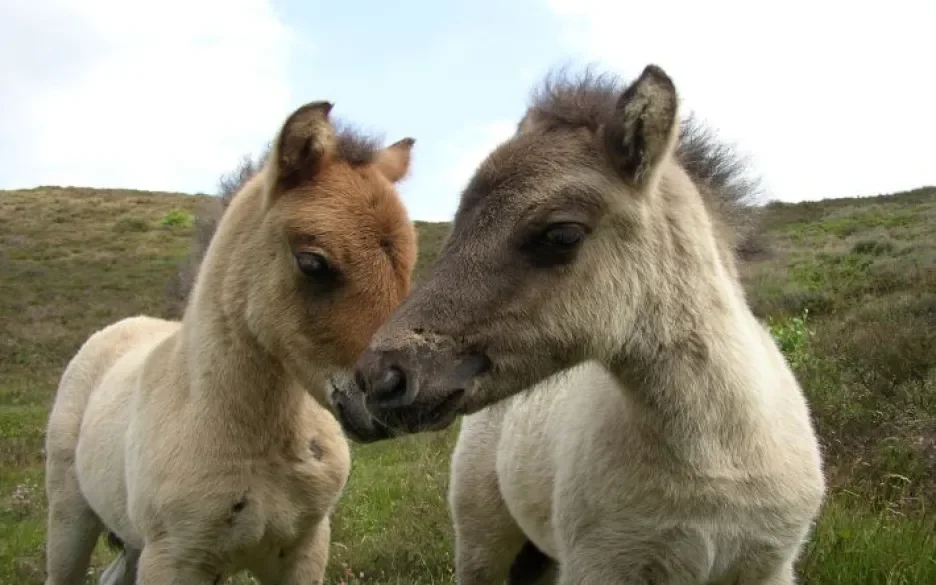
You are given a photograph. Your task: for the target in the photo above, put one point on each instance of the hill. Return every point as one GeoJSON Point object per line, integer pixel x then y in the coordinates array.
{"type": "Point", "coordinates": [848, 287]}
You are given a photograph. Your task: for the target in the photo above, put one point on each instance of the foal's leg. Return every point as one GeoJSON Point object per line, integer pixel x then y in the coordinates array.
{"type": "Point", "coordinates": [769, 573]}
{"type": "Point", "coordinates": [73, 528]}
{"type": "Point", "coordinates": [159, 566]}
{"type": "Point", "coordinates": [599, 553]}
{"type": "Point", "coordinates": [304, 565]}
{"type": "Point", "coordinates": [487, 540]}
{"type": "Point", "coordinates": [784, 576]}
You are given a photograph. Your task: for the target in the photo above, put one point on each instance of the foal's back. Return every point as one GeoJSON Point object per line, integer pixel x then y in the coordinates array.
{"type": "Point", "coordinates": [93, 361]}
{"type": "Point", "coordinates": [88, 404]}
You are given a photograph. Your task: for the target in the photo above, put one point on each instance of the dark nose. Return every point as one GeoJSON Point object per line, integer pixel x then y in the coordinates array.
{"type": "Point", "coordinates": [386, 385]}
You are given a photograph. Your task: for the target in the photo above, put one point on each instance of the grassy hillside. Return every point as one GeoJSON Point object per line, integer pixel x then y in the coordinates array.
{"type": "Point", "coordinates": [849, 288]}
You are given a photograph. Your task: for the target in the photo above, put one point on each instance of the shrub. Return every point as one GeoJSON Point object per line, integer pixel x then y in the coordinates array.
{"type": "Point", "coordinates": [793, 336]}
{"type": "Point", "coordinates": [232, 182]}
{"type": "Point", "coordinates": [177, 218]}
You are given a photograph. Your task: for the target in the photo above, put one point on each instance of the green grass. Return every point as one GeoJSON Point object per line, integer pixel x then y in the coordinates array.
{"type": "Point", "coordinates": [848, 287]}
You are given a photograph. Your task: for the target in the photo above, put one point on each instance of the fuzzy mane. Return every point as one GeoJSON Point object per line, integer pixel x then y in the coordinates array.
{"type": "Point", "coordinates": [723, 177]}
{"type": "Point", "coordinates": [355, 146]}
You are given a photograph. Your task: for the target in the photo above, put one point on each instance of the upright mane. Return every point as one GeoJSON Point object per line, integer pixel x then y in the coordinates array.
{"type": "Point", "coordinates": [724, 178]}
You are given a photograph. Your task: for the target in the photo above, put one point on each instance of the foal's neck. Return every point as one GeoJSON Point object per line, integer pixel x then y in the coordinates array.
{"type": "Point", "coordinates": [231, 375]}
{"type": "Point", "coordinates": [692, 365]}
{"type": "Point", "coordinates": [234, 378]}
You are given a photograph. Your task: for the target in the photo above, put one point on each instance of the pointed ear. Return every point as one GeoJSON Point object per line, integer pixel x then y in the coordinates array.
{"type": "Point", "coordinates": [394, 161]}
{"type": "Point", "coordinates": [643, 128]}
{"type": "Point", "coordinates": [304, 145]}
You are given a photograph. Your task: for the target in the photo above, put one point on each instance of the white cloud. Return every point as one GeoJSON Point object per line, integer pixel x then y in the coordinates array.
{"type": "Point", "coordinates": [432, 192]}
{"type": "Point", "coordinates": [155, 95]}
{"type": "Point", "coordinates": [830, 98]}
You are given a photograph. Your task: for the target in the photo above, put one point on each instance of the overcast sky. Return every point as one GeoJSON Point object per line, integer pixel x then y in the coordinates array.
{"type": "Point", "coordinates": [829, 98]}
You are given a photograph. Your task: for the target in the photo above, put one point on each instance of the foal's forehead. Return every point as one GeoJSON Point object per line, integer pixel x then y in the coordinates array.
{"type": "Point", "coordinates": [353, 211]}
{"type": "Point", "coordinates": [527, 171]}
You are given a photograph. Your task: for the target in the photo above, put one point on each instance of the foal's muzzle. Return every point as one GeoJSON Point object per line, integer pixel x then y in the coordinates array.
{"type": "Point", "coordinates": [418, 387]}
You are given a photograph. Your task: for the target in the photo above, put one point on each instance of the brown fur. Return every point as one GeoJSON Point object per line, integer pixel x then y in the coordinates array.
{"type": "Point", "coordinates": [203, 445]}
{"type": "Point", "coordinates": [353, 146]}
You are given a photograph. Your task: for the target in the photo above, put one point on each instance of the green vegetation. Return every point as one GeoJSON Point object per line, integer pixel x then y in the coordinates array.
{"type": "Point", "coordinates": [178, 218]}
{"type": "Point", "coordinates": [848, 288]}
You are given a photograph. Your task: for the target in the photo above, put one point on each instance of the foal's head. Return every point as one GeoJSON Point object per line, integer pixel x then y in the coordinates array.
{"type": "Point", "coordinates": [573, 239]}
{"type": "Point", "coordinates": [322, 250]}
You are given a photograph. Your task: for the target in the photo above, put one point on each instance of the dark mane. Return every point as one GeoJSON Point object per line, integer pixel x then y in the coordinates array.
{"type": "Point", "coordinates": [724, 178]}
{"type": "Point", "coordinates": [355, 146]}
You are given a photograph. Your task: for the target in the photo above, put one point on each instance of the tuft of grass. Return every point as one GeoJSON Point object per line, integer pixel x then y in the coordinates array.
{"type": "Point", "coordinates": [793, 336]}
{"type": "Point", "coordinates": [130, 224]}
{"type": "Point", "coordinates": [851, 545]}
{"type": "Point", "coordinates": [873, 247]}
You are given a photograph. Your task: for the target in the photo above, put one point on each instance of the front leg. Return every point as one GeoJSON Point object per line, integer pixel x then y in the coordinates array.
{"type": "Point", "coordinates": [609, 554]}
{"type": "Point", "coordinates": [163, 563]}
{"type": "Point", "coordinates": [588, 568]}
{"type": "Point", "coordinates": [303, 565]}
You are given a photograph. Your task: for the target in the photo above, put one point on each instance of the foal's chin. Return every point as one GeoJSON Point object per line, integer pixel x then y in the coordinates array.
{"type": "Point", "coordinates": [422, 416]}
{"type": "Point", "coordinates": [363, 428]}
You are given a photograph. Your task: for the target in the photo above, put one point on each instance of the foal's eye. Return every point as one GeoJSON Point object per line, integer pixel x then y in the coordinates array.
{"type": "Point", "coordinates": [312, 264]}
{"type": "Point", "coordinates": [566, 235]}
{"type": "Point", "coordinates": [556, 244]}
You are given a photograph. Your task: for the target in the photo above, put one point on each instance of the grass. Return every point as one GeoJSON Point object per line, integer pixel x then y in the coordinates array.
{"type": "Point", "coordinates": [848, 288]}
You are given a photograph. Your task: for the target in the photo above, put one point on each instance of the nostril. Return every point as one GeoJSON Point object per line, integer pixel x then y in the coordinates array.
{"type": "Point", "coordinates": [390, 387]}
{"type": "Point", "coordinates": [390, 378]}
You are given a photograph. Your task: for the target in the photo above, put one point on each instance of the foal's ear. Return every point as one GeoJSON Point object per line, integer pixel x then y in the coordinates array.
{"type": "Point", "coordinates": [643, 128]}
{"type": "Point", "coordinates": [394, 161]}
{"type": "Point", "coordinates": [304, 144]}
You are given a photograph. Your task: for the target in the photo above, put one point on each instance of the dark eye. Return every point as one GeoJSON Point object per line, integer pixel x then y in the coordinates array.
{"type": "Point", "coordinates": [563, 235]}
{"type": "Point", "coordinates": [312, 264]}
{"type": "Point", "coordinates": [557, 244]}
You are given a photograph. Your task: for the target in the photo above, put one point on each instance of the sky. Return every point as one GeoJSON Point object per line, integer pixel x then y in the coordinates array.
{"type": "Point", "coordinates": [826, 98]}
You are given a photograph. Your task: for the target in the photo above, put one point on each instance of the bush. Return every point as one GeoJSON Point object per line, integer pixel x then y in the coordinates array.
{"type": "Point", "coordinates": [232, 182]}
{"type": "Point", "coordinates": [793, 336]}
{"type": "Point", "coordinates": [177, 218]}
